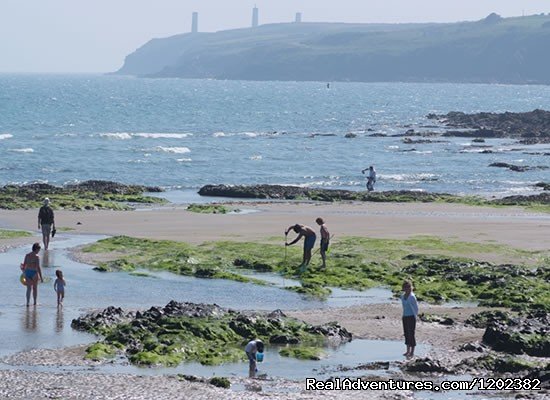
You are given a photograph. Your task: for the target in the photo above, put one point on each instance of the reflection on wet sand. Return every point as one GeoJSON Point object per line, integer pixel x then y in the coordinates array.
{"type": "Point", "coordinates": [59, 320]}
{"type": "Point", "coordinates": [30, 319]}
{"type": "Point", "coordinates": [47, 259]}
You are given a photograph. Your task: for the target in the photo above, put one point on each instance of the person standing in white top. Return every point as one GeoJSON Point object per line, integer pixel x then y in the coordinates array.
{"type": "Point", "coordinates": [371, 178]}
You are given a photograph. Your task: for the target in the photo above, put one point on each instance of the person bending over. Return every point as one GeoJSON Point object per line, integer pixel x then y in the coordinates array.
{"type": "Point", "coordinates": [309, 236]}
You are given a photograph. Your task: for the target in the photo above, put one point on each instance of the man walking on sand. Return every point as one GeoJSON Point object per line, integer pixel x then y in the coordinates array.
{"type": "Point", "coordinates": [46, 222]}
{"type": "Point", "coordinates": [309, 241]}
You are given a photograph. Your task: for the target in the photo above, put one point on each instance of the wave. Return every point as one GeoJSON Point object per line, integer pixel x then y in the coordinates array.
{"type": "Point", "coordinates": [175, 150]}
{"type": "Point", "coordinates": [4, 136]}
{"type": "Point", "coordinates": [411, 178]}
{"type": "Point", "coordinates": [117, 135]}
{"type": "Point", "coordinates": [184, 160]}
{"type": "Point", "coordinates": [144, 135]}
{"type": "Point", "coordinates": [25, 150]}
{"type": "Point", "coordinates": [162, 135]}
{"type": "Point", "coordinates": [219, 134]}
{"type": "Point", "coordinates": [256, 158]}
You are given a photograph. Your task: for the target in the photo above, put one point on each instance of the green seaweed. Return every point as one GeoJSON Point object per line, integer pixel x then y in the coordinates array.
{"type": "Point", "coordinates": [100, 351]}
{"type": "Point", "coordinates": [210, 340]}
{"type": "Point", "coordinates": [220, 382]}
{"type": "Point", "coordinates": [9, 234]}
{"type": "Point", "coordinates": [437, 266]}
{"type": "Point", "coordinates": [208, 208]}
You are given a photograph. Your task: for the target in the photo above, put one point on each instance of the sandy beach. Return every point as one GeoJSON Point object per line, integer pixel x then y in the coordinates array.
{"type": "Point", "coordinates": [507, 226]}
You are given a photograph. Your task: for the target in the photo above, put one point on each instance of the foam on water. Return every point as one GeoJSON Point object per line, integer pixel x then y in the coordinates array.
{"type": "Point", "coordinates": [175, 150]}
{"type": "Point", "coordinates": [4, 136]}
{"type": "Point", "coordinates": [25, 150]}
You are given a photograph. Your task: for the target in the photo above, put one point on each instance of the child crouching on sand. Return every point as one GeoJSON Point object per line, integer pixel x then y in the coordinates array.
{"type": "Point", "coordinates": [410, 311]}
{"type": "Point", "coordinates": [252, 348]}
{"type": "Point", "coordinates": [59, 287]}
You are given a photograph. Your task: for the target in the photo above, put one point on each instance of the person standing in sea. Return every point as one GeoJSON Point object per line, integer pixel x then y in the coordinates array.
{"type": "Point", "coordinates": [371, 178]}
{"type": "Point", "coordinates": [32, 271]}
{"type": "Point", "coordinates": [306, 232]}
{"type": "Point", "coordinates": [46, 222]}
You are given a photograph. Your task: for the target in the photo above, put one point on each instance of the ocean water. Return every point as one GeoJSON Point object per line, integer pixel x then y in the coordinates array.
{"type": "Point", "coordinates": [182, 134]}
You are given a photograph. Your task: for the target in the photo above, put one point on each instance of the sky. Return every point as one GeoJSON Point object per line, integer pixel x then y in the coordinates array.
{"type": "Point", "coordinates": [80, 36]}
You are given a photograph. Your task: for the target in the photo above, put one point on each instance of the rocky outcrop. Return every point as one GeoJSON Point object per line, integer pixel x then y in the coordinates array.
{"type": "Point", "coordinates": [518, 200]}
{"type": "Point", "coordinates": [516, 168]}
{"type": "Point", "coordinates": [529, 334]}
{"type": "Point", "coordinates": [543, 185]}
{"type": "Point", "coordinates": [88, 195]}
{"type": "Point", "coordinates": [198, 332]}
{"type": "Point", "coordinates": [530, 127]}
{"type": "Point", "coordinates": [281, 192]}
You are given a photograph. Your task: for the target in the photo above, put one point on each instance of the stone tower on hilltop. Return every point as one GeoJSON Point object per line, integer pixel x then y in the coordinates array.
{"type": "Point", "coordinates": [298, 17]}
{"type": "Point", "coordinates": [254, 17]}
{"type": "Point", "coordinates": [195, 23]}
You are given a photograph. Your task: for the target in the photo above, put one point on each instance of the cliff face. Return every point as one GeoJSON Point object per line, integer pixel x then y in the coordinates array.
{"type": "Point", "coordinates": [492, 50]}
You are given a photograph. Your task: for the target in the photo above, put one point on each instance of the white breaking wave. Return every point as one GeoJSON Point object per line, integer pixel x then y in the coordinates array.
{"type": "Point", "coordinates": [176, 150]}
{"type": "Point", "coordinates": [4, 136]}
{"type": "Point", "coordinates": [25, 150]}
{"type": "Point", "coordinates": [409, 177]}
{"type": "Point", "coordinates": [256, 158]}
{"type": "Point", "coordinates": [162, 135]}
{"type": "Point", "coordinates": [116, 135]}
{"type": "Point", "coordinates": [184, 160]}
{"type": "Point", "coordinates": [218, 134]}
{"type": "Point", "coordinates": [145, 135]}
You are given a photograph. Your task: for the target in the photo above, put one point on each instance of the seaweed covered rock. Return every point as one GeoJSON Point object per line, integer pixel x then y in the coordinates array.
{"type": "Point", "coordinates": [484, 318]}
{"type": "Point", "coordinates": [98, 322]}
{"type": "Point", "coordinates": [494, 363]}
{"type": "Point", "coordinates": [205, 333]}
{"type": "Point", "coordinates": [86, 195]}
{"type": "Point", "coordinates": [529, 334]}
{"type": "Point", "coordinates": [301, 193]}
{"type": "Point", "coordinates": [511, 286]}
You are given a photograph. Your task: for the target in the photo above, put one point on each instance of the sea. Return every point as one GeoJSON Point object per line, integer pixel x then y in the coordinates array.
{"type": "Point", "coordinates": [181, 134]}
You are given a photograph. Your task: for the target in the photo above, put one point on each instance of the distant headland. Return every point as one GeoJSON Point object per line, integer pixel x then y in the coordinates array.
{"type": "Point", "coordinates": [491, 50]}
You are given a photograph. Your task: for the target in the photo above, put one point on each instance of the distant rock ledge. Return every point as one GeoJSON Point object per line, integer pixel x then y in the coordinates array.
{"type": "Point", "coordinates": [529, 127]}
{"type": "Point", "coordinates": [280, 192]}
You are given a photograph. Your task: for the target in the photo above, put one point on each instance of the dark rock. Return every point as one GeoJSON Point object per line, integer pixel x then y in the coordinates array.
{"type": "Point", "coordinates": [296, 192]}
{"type": "Point", "coordinates": [276, 314]}
{"type": "Point", "coordinates": [531, 127]}
{"type": "Point", "coordinates": [378, 135]}
{"type": "Point", "coordinates": [425, 365]}
{"type": "Point", "coordinates": [474, 347]}
{"type": "Point", "coordinates": [283, 339]}
{"type": "Point", "coordinates": [516, 168]}
{"type": "Point", "coordinates": [529, 334]}
{"type": "Point", "coordinates": [220, 382]}
{"type": "Point", "coordinates": [350, 135]}
{"type": "Point", "coordinates": [541, 198]}
{"type": "Point", "coordinates": [543, 185]}
{"type": "Point", "coordinates": [484, 318]}
{"type": "Point", "coordinates": [478, 140]}
{"type": "Point", "coordinates": [436, 318]}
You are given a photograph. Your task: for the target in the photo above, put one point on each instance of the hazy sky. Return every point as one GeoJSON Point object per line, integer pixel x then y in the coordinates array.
{"type": "Point", "coordinates": [96, 35]}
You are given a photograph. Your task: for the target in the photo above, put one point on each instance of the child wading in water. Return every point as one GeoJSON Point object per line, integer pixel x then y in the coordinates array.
{"type": "Point", "coordinates": [59, 287]}
{"type": "Point", "coordinates": [410, 311]}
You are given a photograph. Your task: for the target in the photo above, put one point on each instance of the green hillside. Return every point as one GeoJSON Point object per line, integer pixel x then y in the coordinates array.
{"type": "Point", "coordinates": [511, 50]}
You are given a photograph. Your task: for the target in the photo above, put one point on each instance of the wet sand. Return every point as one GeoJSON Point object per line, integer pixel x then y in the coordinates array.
{"type": "Point", "coordinates": [509, 226]}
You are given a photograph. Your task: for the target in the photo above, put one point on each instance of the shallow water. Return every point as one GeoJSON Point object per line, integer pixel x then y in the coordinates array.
{"type": "Point", "coordinates": [45, 326]}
